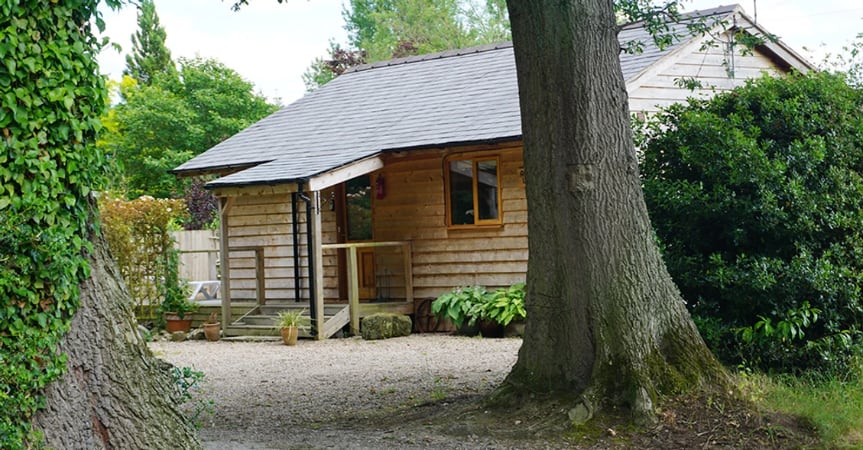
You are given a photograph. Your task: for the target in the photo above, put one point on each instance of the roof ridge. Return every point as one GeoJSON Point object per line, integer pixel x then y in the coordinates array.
{"type": "Point", "coordinates": [431, 56]}
{"type": "Point", "coordinates": [719, 10]}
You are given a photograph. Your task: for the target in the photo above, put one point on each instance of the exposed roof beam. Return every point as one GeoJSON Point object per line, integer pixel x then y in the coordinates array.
{"type": "Point", "coordinates": [345, 173]}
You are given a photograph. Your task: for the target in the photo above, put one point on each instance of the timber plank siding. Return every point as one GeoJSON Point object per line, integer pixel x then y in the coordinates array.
{"type": "Point", "coordinates": [658, 88]}
{"type": "Point", "coordinates": [265, 221]}
{"type": "Point", "coordinates": [414, 209]}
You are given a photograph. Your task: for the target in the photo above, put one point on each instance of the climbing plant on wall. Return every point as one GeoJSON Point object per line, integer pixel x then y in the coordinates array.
{"type": "Point", "coordinates": [50, 101]}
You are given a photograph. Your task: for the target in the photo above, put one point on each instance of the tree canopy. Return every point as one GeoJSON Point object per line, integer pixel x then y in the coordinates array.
{"type": "Point", "coordinates": [150, 58]}
{"type": "Point", "coordinates": [159, 126]}
{"type": "Point", "coordinates": [385, 29]}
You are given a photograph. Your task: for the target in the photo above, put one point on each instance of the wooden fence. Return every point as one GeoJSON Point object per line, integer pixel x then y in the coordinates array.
{"type": "Point", "coordinates": [199, 254]}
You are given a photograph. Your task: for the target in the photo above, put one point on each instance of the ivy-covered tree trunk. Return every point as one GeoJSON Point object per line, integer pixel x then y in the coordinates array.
{"type": "Point", "coordinates": [605, 321]}
{"type": "Point", "coordinates": [114, 393]}
{"type": "Point", "coordinates": [59, 290]}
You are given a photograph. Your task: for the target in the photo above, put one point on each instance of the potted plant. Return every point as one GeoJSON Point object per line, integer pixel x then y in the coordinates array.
{"type": "Point", "coordinates": [290, 323]}
{"type": "Point", "coordinates": [176, 308]}
{"type": "Point", "coordinates": [212, 328]}
{"type": "Point", "coordinates": [460, 307]}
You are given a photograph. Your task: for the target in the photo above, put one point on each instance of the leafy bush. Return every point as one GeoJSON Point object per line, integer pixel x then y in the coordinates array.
{"type": "Point", "coordinates": [756, 197]}
{"type": "Point", "coordinates": [472, 303]}
{"type": "Point", "coordinates": [502, 306]}
{"type": "Point", "coordinates": [202, 206]}
{"type": "Point", "coordinates": [188, 395]}
{"type": "Point", "coordinates": [459, 304]}
{"type": "Point", "coordinates": [137, 232]}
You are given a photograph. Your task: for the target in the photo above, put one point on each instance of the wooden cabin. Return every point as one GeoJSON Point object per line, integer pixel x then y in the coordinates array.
{"type": "Point", "coordinates": [403, 179]}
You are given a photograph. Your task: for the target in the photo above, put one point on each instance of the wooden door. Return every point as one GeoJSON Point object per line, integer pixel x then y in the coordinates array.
{"type": "Point", "coordinates": [356, 226]}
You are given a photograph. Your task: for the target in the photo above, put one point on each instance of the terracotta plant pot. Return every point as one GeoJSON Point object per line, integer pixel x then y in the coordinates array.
{"type": "Point", "coordinates": [212, 331]}
{"type": "Point", "coordinates": [289, 335]}
{"type": "Point", "coordinates": [174, 323]}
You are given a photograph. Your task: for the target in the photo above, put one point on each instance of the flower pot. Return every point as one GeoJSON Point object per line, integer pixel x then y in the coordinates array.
{"type": "Point", "coordinates": [212, 331]}
{"type": "Point", "coordinates": [490, 329]}
{"type": "Point", "coordinates": [514, 329]}
{"type": "Point", "coordinates": [467, 329]}
{"type": "Point", "coordinates": [289, 335]}
{"type": "Point", "coordinates": [174, 323]}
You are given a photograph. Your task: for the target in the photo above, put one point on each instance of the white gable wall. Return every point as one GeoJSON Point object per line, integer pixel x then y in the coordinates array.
{"type": "Point", "coordinates": [656, 87]}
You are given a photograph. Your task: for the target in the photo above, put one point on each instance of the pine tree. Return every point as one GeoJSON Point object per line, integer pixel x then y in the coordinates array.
{"type": "Point", "coordinates": [150, 58]}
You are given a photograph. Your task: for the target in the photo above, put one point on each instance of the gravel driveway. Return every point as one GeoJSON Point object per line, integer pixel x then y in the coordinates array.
{"type": "Point", "coordinates": [322, 394]}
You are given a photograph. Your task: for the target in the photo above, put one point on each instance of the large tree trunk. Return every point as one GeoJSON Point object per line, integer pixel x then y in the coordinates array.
{"type": "Point", "coordinates": [114, 394]}
{"type": "Point", "coordinates": [605, 320]}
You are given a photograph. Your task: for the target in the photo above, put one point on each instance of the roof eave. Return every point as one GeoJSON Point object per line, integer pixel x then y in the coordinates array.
{"type": "Point", "coordinates": [216, 184]}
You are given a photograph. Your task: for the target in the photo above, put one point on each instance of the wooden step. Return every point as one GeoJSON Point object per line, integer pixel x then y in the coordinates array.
{"type": "Point", "coordinates": [273, 309]}
{"type": "Point", "coordinates": [260, 330]}
{"type": "Point", "coordinates": [241, 329]}
{"type": "Point", "coordinates": [265, 325]}
{"type": "Point", "coordinates": [260, 319]}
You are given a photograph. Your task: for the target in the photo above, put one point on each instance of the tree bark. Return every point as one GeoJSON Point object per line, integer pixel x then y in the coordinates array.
{"type": "Point", "coordinates": [114, 394]}
{"type": "Point", "coordinates": [605, 320]}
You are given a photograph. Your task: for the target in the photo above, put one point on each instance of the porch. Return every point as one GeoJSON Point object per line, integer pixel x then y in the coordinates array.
{"type": "Point", "coordinates": [336, 284]}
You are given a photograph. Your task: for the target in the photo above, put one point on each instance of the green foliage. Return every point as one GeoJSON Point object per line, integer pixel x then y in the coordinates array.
{"type": "Point", "coordinates": [397, 28]}
{"type": "Point", "coordinates": [205, 105]}
{"type": "Point", "coordinates": [788, 328]}
{"type": "Point", "coordinates": [50, 102]}
{"type": "Point", "coordinates": [292, 318]}
{"type": "Point", "coordinates": [460, 304]}
{"type": "Point", "coordinates": [150, 58]}
{"type": "Point", "coordinates": [502, 306]}
{"type": "Point", "coordinates": [757, 199]}
{"type": "Point", "coordinates": [385, 29]}
{"type": "Point", "coordinates": [188, 394]}
{"type": "Point", "coordinates": [472, 303]}
{"type": "Point", "coordinates": [848, 62]}
{"type": "Point", "coordinates": [139, 236]}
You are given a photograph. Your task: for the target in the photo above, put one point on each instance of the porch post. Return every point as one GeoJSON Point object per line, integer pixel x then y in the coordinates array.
{"type": "Point", "coordinates": [353, 290]}
{"type": "Point", "coordinates": [318, 259]}
{"type": "Point", "coordinates": [225, 204]}
{"type": "Point", "coordinates": [409, 275]}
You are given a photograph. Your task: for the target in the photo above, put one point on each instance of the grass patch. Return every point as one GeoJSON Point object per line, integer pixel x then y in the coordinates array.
{"type": "Point", "coordinates": [833, 405]}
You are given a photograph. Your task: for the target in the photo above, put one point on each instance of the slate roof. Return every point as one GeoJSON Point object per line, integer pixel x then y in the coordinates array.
{"type": "Point", "coordinates": [442, 99]}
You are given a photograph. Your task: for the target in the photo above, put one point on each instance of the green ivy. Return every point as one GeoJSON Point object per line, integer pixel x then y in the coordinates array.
{"type": "Point", "coordinates": [51, 98]}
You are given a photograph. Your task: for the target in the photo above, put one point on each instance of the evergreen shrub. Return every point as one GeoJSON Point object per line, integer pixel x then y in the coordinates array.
{"type": "Point", "coordinates": [756, 197]}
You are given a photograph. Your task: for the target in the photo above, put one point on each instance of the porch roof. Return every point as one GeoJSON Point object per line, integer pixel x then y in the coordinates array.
{"type": "Point", "coordinates": [443, 99]}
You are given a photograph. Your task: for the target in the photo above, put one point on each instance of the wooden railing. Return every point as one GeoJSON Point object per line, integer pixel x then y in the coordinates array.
{"type": "Point", "coordinates": [353, 274]}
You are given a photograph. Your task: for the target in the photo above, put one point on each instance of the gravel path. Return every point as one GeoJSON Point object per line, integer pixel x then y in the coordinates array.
{"type": "Point", "coordinates": [270, 396]}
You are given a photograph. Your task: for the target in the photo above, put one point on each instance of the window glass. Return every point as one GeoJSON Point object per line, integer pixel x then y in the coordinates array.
{"type": "Point", "coordinates": [461, 192]}
{"type": "Point", "coordinates": [474, 193]}
{"type": "Point", "coordinates": [487, 189]}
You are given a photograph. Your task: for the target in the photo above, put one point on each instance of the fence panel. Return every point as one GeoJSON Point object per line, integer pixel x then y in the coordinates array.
{"type": "Point", "coordinates": [199, 254]}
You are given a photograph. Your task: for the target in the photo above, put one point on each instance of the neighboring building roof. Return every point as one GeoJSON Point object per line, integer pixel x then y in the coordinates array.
{"type": "Point", "coordinates": [442, 99]}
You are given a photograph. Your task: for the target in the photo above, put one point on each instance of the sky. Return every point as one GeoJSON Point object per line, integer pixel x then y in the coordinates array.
{"type": "Point", "coordinates": [272, 44]}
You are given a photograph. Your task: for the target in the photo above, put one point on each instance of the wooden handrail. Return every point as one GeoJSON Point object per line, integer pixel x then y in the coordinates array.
{"type": "Point", "coordinates": [353, 274]}
{"type": "Point", "coordinates": [365, 244]}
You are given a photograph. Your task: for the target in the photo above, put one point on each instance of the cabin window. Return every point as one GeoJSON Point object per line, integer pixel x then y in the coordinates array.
{"type": "Point", "coordinates": [473, 191]}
